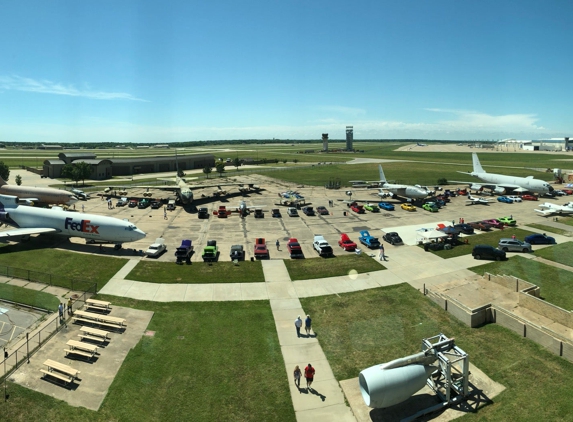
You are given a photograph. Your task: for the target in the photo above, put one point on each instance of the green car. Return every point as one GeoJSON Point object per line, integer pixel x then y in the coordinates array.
{"type": "Point", "coordinates": [508, 221]}
{"type": "Point", "coordinates": [371, 208]}
{"type": "Point", "coordinates": [210, 252]}
{"type": "Point", "coordinates": [430, 206]}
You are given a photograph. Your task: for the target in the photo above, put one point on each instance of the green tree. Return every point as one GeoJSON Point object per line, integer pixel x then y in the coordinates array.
{"type": "Point", "coordinates": [68, 172]}
{"type": "Point", "coordinates": [285, 161]}
{"type": "Point", "coordinates": [237, 163]}
{"type": "Point", "coordinates": [84, 171]}
{"type": "Point", "coordinates": [18, 180]}
{"type": "Point", "coordinates": [295, 160]}
{"type": "Point", "coordinates": [207, 170]}
{"type": "Point", "coordinates": [220, 167]}
{"type": "Point", "coordinates": [4, 171]}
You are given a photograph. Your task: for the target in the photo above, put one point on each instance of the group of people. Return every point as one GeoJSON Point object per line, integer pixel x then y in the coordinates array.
{"type": "Point", "coordinates": [307, 325]}
{"type": "Point", "coordinates": [308, 375]}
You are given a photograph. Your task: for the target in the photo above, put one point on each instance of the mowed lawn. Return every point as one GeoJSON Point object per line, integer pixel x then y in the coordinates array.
{"type": "Point", "coordinates": [29, 297]}
{"type": "Point", "coordinates": [556, 284]}
{"type": "Point", "coordinates": [562, 253]}
{"type": "Point", "coordinates": [308, 269]}
{"type": "Point", "coordinates": [361, 329]}
{"type": "Point", "coordinates": [198, 272]}
{"type": "Point", "coordinates": [206, 362]}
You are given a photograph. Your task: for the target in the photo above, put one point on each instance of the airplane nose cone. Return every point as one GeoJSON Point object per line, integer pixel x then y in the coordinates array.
{"type": "Point", "coordinates": [73, 199]}
{"type": "Point", "coordinates": [139, 234]}
{"type": "Point", "coordinates": [551, 188]}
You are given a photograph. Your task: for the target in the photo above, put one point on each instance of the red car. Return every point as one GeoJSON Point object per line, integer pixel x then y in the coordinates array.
{"type": "Point", "coordinates": [346, 244]}
{"type": "Point", "coordinates": [294, 249]}
{"type": "Point", "coordinates": [529, 198]}
{"type": "Point", "coordinates": [568, 191]}
{"type": "Point", "coordinates": [494, 223]}
{"type": "Point", "coordinates": [222, 212]}
{"type": "Point", "coordinates": [261, 250]}
{"type": "Point", "coordinates": [359, 209]}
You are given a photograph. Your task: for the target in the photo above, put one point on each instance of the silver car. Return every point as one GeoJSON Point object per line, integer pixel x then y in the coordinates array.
{"type": "Point", "coordinates": [513, 245]}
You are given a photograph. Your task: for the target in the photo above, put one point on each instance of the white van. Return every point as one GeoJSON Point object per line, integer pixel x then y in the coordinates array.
{"type": "Point", "coordinates": [171, 205]}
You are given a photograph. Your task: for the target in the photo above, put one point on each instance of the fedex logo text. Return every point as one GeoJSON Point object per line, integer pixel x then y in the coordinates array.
{"type": "Point", "coordinates": [82, 226]}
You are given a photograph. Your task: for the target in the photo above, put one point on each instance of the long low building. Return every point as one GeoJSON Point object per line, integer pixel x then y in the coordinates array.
{"type": "Point", "coordinates": [106, 168]}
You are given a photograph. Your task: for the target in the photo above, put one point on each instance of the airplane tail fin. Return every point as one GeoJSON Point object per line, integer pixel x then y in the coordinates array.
{"type": "Point", "coordinates": [8, 201]}
{"type": "Point", "coordinates": [382, 177]}
{"type": "Point", "coordinates": [477, 165]}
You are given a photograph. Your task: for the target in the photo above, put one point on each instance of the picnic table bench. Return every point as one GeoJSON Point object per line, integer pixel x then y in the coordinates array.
{"type": "Point", "coordinates": [94, 334]}
{"type": "Point", "coordinates": [59, 370]}
{"type": "Point", "coordinates": [79, 348]}
{"type": "Point", "coordinates": [99, 319]}
{"type": "Point", "coordinates": [100, 304]}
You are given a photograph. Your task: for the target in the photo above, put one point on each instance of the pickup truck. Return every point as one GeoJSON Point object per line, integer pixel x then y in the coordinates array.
{"type": "Point", "coordinates": [294, 249]}
{"type": "Point", "coordinates": [203, 213]}
{"type": "Point", "coordinates": [261, 250]}
{"type": "Point", "coordinates": [156, 248]}
{"type": "Point", "coordinates": [321, 246]}
{"type": "Point", "coordinates": [184, 252]}
{"type": "Point", "coordinates": [237, 253]}
{"type": "Point", "coordinates": [369, 241]}
{"type": "Point", "coordinates": [210, 252]}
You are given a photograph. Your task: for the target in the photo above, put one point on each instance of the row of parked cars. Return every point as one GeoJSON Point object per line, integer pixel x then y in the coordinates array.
{"type": "Point", "coordinates": [510, 245]}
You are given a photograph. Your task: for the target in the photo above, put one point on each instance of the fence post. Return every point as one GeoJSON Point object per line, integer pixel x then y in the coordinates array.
{"type": "Point", "coordinates": [28, 347]}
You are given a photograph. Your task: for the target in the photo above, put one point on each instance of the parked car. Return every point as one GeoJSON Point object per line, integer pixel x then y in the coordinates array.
{"type": "Point", "coordinates": [505, 199]}
{"type": "Point", "coordinates": [122, 202]}
{"type": "Point", "coordinates": [171, 205]}
{"type": "Point", "coordinates": [568, 191]}
{"type": "Point", "coordinates": [261, 250]}
{"type": "Point", "coordinates": [430, 206]}
{"type": "Point", "coordinates": [493, 223]}
{"type": "Point", "coordinates": [513, 245]}
{"type": "Point", "coordinates": [222, 212]}
{"type": "Point", "coordinates": [155, 204]}
{"type": "Point", "coordinates": [371, 208]}
{"type": "Point", "coordinates": [276, 213]}
{"type": "Point", "coordinates": [507, 221]}
{"type": "Point", "coordinates": [540, 239]}
{"type": "Point", "coordinates": [184, 252]}
{"type": "Point", "coordinates": [408, 207]}
{"type": "Point", "coordinates": [144, 203]}
{"type": "Point", "coordinates": [259, 213]}
{"type": "Point", "coordinates": [515, 198]}
{"type": "Point", "coordinates": [369, 241]}
{"type": "Point", "coordinates": [210, 252]}
{"type": "Point", "coordinates": [308, 211]}
{"type": "Point", "coordinates": [346, 244]}
{"type": "Point", "coordinates": [559, 193]}
{"type": "Point", "coordinates": [480, 225]}
{"type": "Point", "coordinates": [237, 253]}
{"type": "Point", "coordinates": [321, 246]}
{"type": "Point", "coordinates": [359, 209]}
{"type": "Point", "coordinates": [487, 252]}
{"type": "Point", "coordinates": [464, 228]}
{"type": "Point", "coordinates": [157, 248]}
{"type": "Point", "coordinates": [294, 248]}
{"type": "Point", "coordinates": [392, 238]}
{"type": "Point", "coordinates": [529, 198]}
{"type": "Point", "coordinates": [203, 213]}
{"type": "Point", "coordinates": [292, 212]}
{"type": "Point", "coordinates": [386, 206]}
{"type": "Point", "coordinates": [132, 203]}
{"type": "Point", "coordinates": [322, 210]}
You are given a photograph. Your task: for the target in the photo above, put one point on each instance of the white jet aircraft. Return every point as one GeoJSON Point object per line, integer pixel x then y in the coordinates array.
{"type": "Point", "coordinates": [392, 189]}
{"type": "Point", "coordinates": [499, 182]}
{"type": "Point", "coordinates": [97, 228]}
{"type": "Point", "coordinates": [551, 209]}
{"type": "Point", "coordinates": [243, 209]}
{"type": "Point", "coordinates": [29, 194]}
{"type": "Point", "coordinates": [475, 201]}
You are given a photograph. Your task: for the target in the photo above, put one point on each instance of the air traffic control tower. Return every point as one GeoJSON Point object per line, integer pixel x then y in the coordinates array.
{"type": "Point", "coordinates": [349, 138]}
{"type": "Point", "coordinates": [325, 142]}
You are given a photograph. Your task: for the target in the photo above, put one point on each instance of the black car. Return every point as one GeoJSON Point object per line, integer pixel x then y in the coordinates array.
{"type": "Point", "coordinates": [464, 228]}
{"type": "Point", "coordinates": [276, 213]}
{"type": "Point", "coordinates": [392, 238]}
{"type": "Point", "coordinates": [155, 204]}
{"type": "Point", "coordinates": [203, 213]}
{"type": "Point", "coordinates": [487, 252]}
{"type": "Point", "coordinates": [308, 210]}
{"type": "Point", "coordinates": [259, 213]}
{"type": "Point", "coordinates": [322, 210]}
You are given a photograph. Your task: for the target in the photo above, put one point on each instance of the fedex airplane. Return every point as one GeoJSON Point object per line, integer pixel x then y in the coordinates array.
{"type": "Point", "coordinates": [30, 220]}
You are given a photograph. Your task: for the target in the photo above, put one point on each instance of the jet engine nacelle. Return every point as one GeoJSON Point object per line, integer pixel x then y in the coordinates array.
{"type": "Point", "coordinates": [499, 190]}
{"type": "Point", "coordinates": [4, 216]}
{"type": "Point", "coordinates": [382, 388]}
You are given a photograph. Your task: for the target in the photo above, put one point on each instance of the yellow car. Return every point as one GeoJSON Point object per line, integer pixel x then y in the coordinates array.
{"type": "Point", "coordinates": [408, 207]}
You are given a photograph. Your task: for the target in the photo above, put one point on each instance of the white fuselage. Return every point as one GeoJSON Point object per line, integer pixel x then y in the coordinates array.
{"type": "Point", "coordinates": [406, 191]}
{"type": "Point", "coordinates": [532, 185]}
{"type": "Point", "coordinates": [44, 195]}
{"type": "Point", "coordinates": [67, 223]}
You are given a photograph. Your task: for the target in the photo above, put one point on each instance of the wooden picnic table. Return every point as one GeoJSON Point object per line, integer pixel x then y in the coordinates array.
{"type": "Point", "coordinates": [79, 348]}
{"type": "Point", "coordinates": [52, 364]}
{"type": "Point", "coordinates": [99, 317]}
{"type": "Point", "coordinates": [95, 332]}
{"type": "Point", "coordinates": [98, 303]}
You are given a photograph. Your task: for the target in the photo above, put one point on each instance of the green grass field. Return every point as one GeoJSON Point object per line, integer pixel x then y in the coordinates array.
{"type": "Point", "coordinates": [358, 330]}
{"type": "Point", "coordinates": [29, 297]}
{"type": "Point", "coordinates": [551, 229]}
{"type": "Point", "coordinates": [207, 362]}
{"type": "Point", "coordinates": [556, 284]}
{"type": "Point", "coordinates": [562, 253]}
{"type": "Point", "coordinates": [308, 269]}
{"type": "Point", "coordinates": [198, 272]}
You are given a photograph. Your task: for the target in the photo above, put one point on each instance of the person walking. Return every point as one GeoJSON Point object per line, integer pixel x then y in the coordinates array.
{"type": "Point", "coordinates": [165, 213]}
{"type": "Point", "coordinates": [278, 244]}
{"type": "Point", "coordinates": [83, 208]}
{"type": "Point", "coordinates": [298, 324]}
{"type": "Point", "coordinates": [297, 375]}
{"type": "Point", "coordinates": [382, 256]}
{"type": "Point", "coordinates": [61, 310]}
{"type": "Point", "coordinates": [70, 304]}
{"type": "Point", "coordinates": [308, 325]}
{"type": "Point", "coordinates": [309, 375]}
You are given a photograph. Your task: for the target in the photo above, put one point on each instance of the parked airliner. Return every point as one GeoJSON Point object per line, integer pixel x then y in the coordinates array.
{"type": "Point", "coordinates": [28, 194]}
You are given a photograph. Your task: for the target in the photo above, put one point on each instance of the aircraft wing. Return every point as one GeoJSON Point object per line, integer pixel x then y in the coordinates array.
{"type": "Point", "coordinates": [546, 212]}
{"type": "Point", "coordinates": [25, 232]}
{"type": "Point", "coordinates": [28, 201]}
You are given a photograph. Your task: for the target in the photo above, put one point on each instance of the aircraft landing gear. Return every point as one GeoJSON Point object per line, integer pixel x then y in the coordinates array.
{"type": "Point", "coordinates": [117, 247]}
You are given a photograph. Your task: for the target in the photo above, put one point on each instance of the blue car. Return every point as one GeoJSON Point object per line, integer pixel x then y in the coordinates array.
{"type": "Point", "coordinates": [505, 199]}
{"type": "Point", "coordinates": [540, 239]}
{"type": "Point", "coordinates": [386, 206]}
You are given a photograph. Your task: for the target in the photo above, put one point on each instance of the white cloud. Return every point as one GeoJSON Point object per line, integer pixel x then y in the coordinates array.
{"type": "Point", "coordinates": [19, 83]}
{"type": "Point", "coordinates": [471, 120]}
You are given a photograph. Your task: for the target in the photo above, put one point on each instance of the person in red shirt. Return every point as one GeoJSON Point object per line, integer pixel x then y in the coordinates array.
{"type": "Point", "coordinates": [309, 375]}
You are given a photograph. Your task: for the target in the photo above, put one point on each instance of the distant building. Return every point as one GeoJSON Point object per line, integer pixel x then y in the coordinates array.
{"type": "Point", "coordinates": [50, 147]}
{"type": "Point", "coordinates": [325, 142]}
{"type": "Point", "coordinates": [349, 138]}
{"type": "Point", "coordinates": [161, 146]}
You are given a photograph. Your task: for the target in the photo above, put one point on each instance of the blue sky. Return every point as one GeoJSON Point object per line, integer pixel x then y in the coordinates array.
{"type": "Point", "coordinates": [167, 71]}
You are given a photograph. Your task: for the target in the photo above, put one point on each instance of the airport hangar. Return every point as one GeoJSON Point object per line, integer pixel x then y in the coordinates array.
{"type": "Point", "coordinates": [106, 168]}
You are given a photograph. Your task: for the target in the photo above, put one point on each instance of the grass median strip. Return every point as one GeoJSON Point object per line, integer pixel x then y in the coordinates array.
{"type": "Point", "coordinates": [205, 362]}
{"type": "Point", "coordinates": [308, 269]}
{"type": "Point", "coordinates": [29, 297]}
{"type": "Point", "coordinates": [551, 229]}
{"type": "Point", "coordinates": [360, 329]}
{"type": "Point", "coordinates": [198, 272]}
{"type": "Point", "coordinates": [561, 253]}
